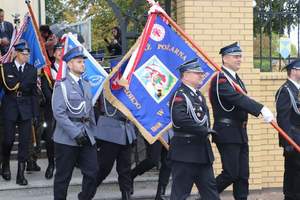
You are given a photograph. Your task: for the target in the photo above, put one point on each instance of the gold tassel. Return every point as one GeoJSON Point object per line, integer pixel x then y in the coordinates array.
{"type": "Point", "coordinates": [3, 78]}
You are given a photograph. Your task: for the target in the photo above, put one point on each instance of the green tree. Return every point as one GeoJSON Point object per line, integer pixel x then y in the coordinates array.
{"type": "Point", "coordinates": [278, 15]}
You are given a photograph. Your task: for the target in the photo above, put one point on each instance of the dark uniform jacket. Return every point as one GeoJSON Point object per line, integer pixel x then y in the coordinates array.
{"type": "Point", "coordinates": [23, 101]}
{"type": "Point", "coordinates": [190, 142]}
{"type": "Point", "coordinates": [287, 117]}
{"type": "Point", "coordinates": [234, 132]}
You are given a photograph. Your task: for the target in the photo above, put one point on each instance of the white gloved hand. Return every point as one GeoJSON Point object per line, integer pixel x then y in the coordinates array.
{"type": "Point", "coordinates": [156, 8]}
{"type": "Point", "coordinates": [267, 114]}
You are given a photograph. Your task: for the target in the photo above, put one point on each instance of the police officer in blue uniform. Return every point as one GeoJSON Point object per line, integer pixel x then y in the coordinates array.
{"type": "Point", "coordinates": [230, 110]}
{"type": "Point", "coordinates": [19, 107]}
{"type": "Point", "coordinates": [74, 132]}
{"type": "Point", "coordinates": [288, 118]}
{"type": "Point", "coordinates": [115, 135]}
{"type": "Point", "coordinates": [47, 84]}
{"type": "Point", "coordinates": [190, 149]}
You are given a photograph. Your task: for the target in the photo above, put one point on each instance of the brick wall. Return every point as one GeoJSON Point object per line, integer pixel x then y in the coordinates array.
{"type": "Point", "coordinates": [213, 24]}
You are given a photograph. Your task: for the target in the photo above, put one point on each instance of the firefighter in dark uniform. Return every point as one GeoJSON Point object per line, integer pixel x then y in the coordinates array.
{"type": "Point", "coordinates": [288, 118]}
{"type": "Point", "coordinates": [47, 88]}
{"type": "Point", "coordinates": [75, 125]}
{"type": "Point", "coordinates": [230, 110]}
{"type": "Point", "coordinates": [19, 107]}
{"type": "Point", "coordinates": [190, 149]}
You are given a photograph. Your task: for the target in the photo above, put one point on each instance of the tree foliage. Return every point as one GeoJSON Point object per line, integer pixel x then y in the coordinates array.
{"type": "Point", "coordinates": [103, 17]}
{"type": "Point", "coordinates": [275, 16]}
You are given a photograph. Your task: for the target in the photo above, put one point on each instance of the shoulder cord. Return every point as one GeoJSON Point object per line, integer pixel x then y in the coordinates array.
{"type": "Point", "coordinates": [294, 104]}
{"type": "Point", "coordinates": [74, 110]}
{"type": "Point", "coordinates": [190, 110]}
{"type": "Point", "coordinates": [105, 109]}
{"type": "Point", "coordinates": [218, 95]}
{"type": "Point", "coordinates": [171, 108]}
{"type": "Point", "coordinates": [49, 81]}
{"type": "Point", "coordinates": [4, 81]}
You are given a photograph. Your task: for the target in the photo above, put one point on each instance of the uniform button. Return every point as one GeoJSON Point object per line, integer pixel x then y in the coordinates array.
{"type": "Point", "coordinates": [189, 141]}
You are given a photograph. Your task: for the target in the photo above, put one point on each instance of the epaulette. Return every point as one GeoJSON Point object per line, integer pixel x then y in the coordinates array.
{"type": "Point", "coordinates": [179, 96]}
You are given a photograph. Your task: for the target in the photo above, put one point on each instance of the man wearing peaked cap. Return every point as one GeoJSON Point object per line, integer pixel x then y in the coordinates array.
{"type": "Point", "coordinates": [74, 131]}
{"type": "Point", "coordinates": [190, 149]}
{"type": "Point", "coordinates": [288, 118]}
{"type": "Point", "coordinates": [230, 111]}
{"type": "Point", "coordinates": [20, 107]}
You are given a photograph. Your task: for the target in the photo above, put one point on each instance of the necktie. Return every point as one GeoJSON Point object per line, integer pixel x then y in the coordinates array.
{"type": "Point", "coordinates": [2, 27]}
{"type": "Point", "coordinates": [80, 85]}
{"type": "Point", "coordinates": [20, 70]}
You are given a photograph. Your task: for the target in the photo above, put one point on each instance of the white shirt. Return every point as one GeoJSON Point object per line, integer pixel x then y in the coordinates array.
{"type": "Point", "coordinates": [18, 65]}
{"type": "Point", "coordinates": [53, 72]}
{"type": "Point", "coordinates": [233, 73]}
{"type": "Point", "coordinates": [295, 83]}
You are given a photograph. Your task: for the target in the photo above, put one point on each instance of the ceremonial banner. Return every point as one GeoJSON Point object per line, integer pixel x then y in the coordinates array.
{"type": "Point", "coordinates": [29, 34]}
{"type": "Point", "coordinates": [153, 80]}
{"type": "Point", "coordinates": [94, 72]}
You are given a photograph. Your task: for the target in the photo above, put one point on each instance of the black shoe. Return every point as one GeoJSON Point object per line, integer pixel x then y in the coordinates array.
{"type": "Point", "coordinates": [49, 171]}
{"type": "Point", "coordinates": [21, 180]}
{"type": "Point", "coordinates": [32, 166]}
{"type": "Point", "coordinates": [126, 195]}
{"type": "Point", "coordinates": [161, 191]}
{"type": "Point", "coordinates": [6, 174]}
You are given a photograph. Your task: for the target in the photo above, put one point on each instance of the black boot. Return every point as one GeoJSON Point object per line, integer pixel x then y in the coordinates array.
{"type": "Point", "coordinates": [6, 169]}
{"type": "Point", "coordinates": [161, 191]}
{"type": "Point", "coordinates": [126, 195]}
{"type": "Point", "coordinates": [21, 180]}
{"type": "Point", "coordinates": [50, 169]}
{"type": "Point", "coordinates": [32, 166]}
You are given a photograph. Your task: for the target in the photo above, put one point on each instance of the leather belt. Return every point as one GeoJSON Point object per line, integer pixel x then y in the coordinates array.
{"type": "Point", "coordinates": [232, 122]}
{"type": "Point", "coordinates": [81, 119]}
{"type": "Point", "coordinates": [181, 134]}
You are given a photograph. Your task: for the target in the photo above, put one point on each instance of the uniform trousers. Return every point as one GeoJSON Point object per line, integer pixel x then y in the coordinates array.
{"type": "Point", "coordinates": [108, 153]}
{"type": "Point", "coordinates": [185, 174]}
{"type": "Point", "coordinates": [66, 157]}
{"type": "Point", "coordinates": [24, 130]}
{"type": "Point", "coordinates": [235, 169]}
{"type": "Point", "coordinates": [291, 182]}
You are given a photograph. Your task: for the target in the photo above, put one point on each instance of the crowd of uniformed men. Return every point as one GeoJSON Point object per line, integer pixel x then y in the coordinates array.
{"type": "Point", "coordinates": [94, 138]}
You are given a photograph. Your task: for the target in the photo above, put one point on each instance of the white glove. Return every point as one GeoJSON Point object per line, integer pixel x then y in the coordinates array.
{"type": "Point", "coordinates": [267, 114]}
{"type": "Point", "coordinates": [156, 8]}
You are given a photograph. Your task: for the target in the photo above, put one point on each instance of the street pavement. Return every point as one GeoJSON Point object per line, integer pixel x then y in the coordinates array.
{"type": "Point", "coordinates": [145, 187]}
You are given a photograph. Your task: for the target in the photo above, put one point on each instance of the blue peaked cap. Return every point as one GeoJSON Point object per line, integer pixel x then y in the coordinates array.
{"type": "Point", "coordinates": [74, 53]}
{"type": "Point", "coordinates": [295, 64]}
{"type": "Point", "coordinates": [21, 46]}
{"type": "Point", "coordinates": [191, 66]}
{"type": "Point", "coordinates": [232, 49]}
